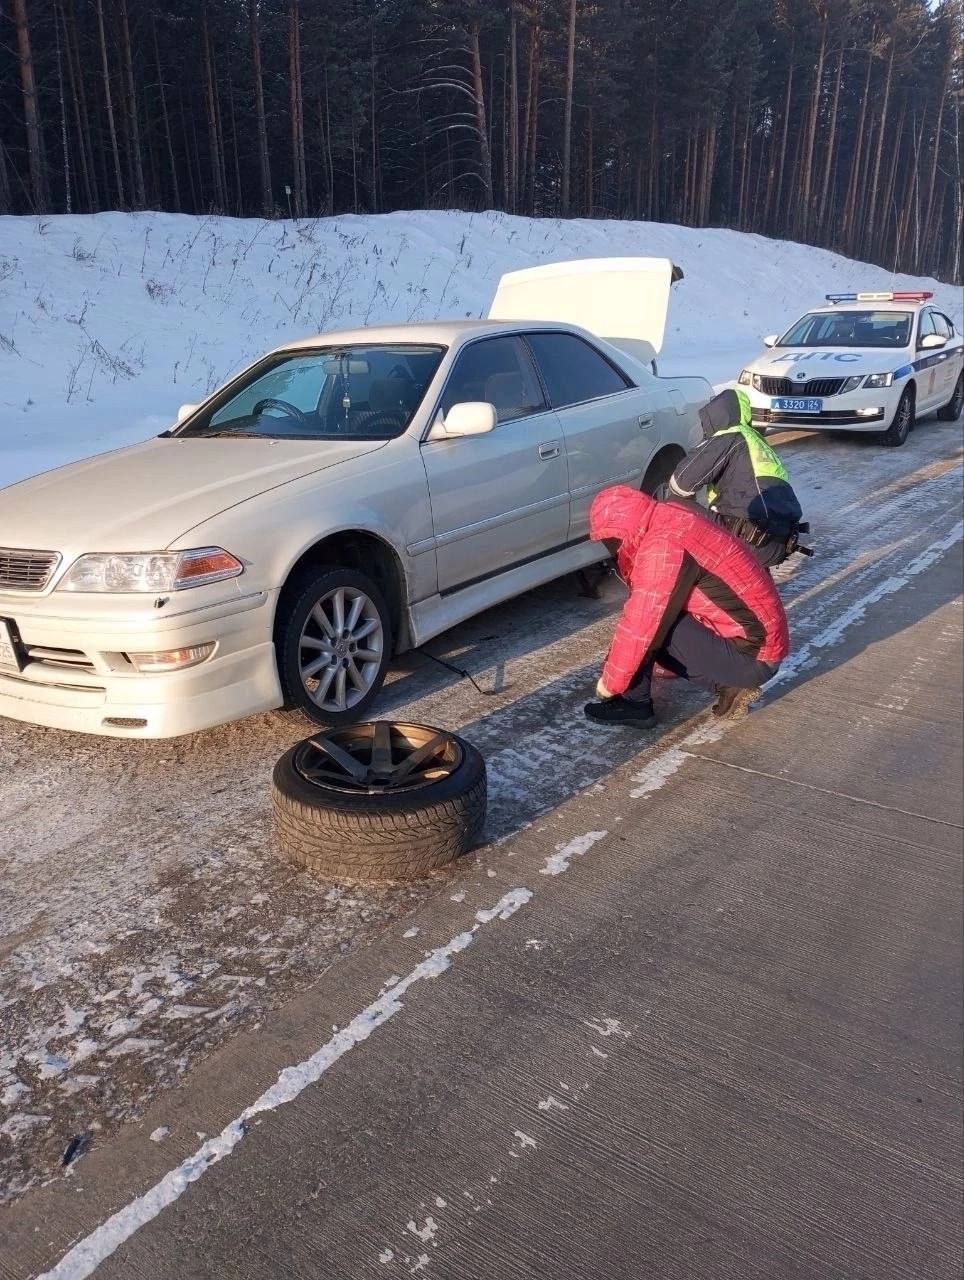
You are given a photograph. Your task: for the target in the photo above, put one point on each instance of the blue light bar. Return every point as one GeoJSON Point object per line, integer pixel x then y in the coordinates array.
{"type": "Point", "coordinates": [841, 297]}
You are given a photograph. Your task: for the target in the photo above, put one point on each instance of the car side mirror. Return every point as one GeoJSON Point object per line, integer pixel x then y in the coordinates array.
{"type": "Point", "coordinates": [932, 340]}
{"type": "Point", "coordinates": [185, 411]}
{"type": "Point", "coordinates": [470, 418]}
{"type": "Point", "coordinates": [771, 340]}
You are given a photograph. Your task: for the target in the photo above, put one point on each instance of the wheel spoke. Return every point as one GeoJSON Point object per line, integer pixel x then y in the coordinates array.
{"type": "Point", "coordinates": [367, 655]}
{"type": "Point", "coordinates": [354, 768]}
{"type": "Point", "coordinates": [356, 677]}
{"type": "Point", "coordinates": [357, 606]}
{"type": "Point", "coordinates": [312, 668]}
{"type": "Point", "coordinates": [418, 759]}
{"type": "Point", "coordinates": [382, 749]}
{"type": "Point", "coordinates": [341, 689]}
{"type": "Point", "coordinates": [366, 628]}
{"type": "Point", "coordinates": [310, 642]}
{"type": "Point", "coordinates": [318, 614]}
{"type": "Point", "coordinates": [338, 610]}
{"type": "Point", "coordinates": [321, 692]}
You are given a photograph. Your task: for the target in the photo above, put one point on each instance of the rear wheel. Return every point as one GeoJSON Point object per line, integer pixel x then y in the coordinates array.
{"type": "Point", "coordinates": [952, 410]}
{"type": "Point", "coordinates": [656, 480]}
{"type": "Point", "coordinates": [898, 431]}
{"type": "Point", "coordinates": [333, 640]}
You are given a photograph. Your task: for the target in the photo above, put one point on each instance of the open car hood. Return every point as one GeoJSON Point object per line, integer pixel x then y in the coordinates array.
{"type": "Point", "coordinates": [623, 300]}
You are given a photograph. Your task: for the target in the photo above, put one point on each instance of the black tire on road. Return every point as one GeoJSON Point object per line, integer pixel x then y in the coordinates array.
{"type": "Point", "coordinates": [952, 410]}
{"type": "Point", "coordinates": [294, 612]}
{"type": "Point", "coordinates": [903, 423]}
{"type": "Point", "coordinates": [386, 835]}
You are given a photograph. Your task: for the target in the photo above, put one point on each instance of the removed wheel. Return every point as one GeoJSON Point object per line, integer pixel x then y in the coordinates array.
{"type": "Point", "coordinates": [333, 639]}
{"type": "Point", "coordinates": [898, 431]}
{"type": "Point", "coordinates": [952, 410]}
{"type": "Point", "coordinates": [378, 801]}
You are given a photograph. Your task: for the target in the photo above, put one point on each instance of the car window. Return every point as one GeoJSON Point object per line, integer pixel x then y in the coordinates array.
{"type": "Point", "coordinates": [500, 372]}
{"type": "Point", "coordinates": [926, 326]}
{"type": "Point", "coordinates": [361, 392]}
{"type": "Point", "coordinates": [941, 324]}
{"type": "Point", "coordinates": [572, 370]}
{"type": "Point", "coordinates": [850, 329]}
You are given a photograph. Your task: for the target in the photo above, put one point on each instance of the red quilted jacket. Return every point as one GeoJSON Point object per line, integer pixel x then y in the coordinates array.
{"type": "Point", "coordinates": [676, 561]}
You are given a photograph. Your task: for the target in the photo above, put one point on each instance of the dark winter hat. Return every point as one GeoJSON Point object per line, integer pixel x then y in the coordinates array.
{"type": "Point", "coordinates": [721, 412]}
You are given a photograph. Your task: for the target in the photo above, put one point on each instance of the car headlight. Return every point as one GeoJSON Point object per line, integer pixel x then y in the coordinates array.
{"type": "Point", "coordinates": [744, 378]}
{"type": "Point", "coordinates": [878, 380]}
{"type": "Point", "coordinates": [851, 384]}
{"type": "Point", "coordinates": [153, 571]}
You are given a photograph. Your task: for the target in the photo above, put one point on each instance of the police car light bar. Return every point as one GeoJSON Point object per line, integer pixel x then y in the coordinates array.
{"type": "Point", "coordinates": [878, 297]}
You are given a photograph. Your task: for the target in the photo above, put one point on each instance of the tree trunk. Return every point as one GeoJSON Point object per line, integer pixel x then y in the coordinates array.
{"type": "Point", "coordinates": [140, 196]}
{"type": "Point", "coordinates": [31, 111]}
{"type": "Point", "coordinates": [831, 142]}
{"type": "Point", "coordinates": [261, 127]}
{"type": "Point", "coordinates": [513, 200]}
{"type": "Point", "coordinates": [374, 199]}
{"type": "Point", "coordinates": [485, 157]}
{"type": "Point", "coordinates": [850, 205]}
{"type": "Point", "coordinates": [76, 96]}
{"type": "Point", "coordinates": [531, 118]}
{"type": "Point", "coordinates": [109, 104]}
{"type": "Point", "coordinates": [68, 199]}
{"type": "Point", "coordinates": [911, 202]}
{"type": "Point", "coordinates": [783, 143]}
{"type": "Point", "coordinates": [881, 142]}
{"type": "Point", "coordinates": [168, 142]}
{"type": "Point", "coordinates": [296, 106]}
{"type": "Point", "coordinates": [211, 111]}
{"type": "Point", "coordinates": [567, 117]}
{"type": "Point", "coordinates": [937, 146]}
{"type": "Point", "coordinates": [803, 200]}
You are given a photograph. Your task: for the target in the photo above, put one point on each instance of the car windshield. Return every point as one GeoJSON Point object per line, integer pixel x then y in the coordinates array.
{"type": "Point", "coordinates": [324, 393]}
{"type": "Point", "coordinates": [850, 329]}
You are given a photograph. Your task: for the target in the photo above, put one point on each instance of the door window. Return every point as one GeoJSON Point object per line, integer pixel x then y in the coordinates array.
{"type": "Point", "coordinates": [941, 324]}
{"type": "Point", "coordinates": [573, 371]}
{"type": "Point", "coordinates": [926, 326]}
{"type": "Point", "coordinates": [500, 372]}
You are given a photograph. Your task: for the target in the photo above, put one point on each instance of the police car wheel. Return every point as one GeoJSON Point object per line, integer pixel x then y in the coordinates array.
{"type": "Point", "coordinates": [952, 410]}
{"type": "Point", "coordinates": [898, 431]}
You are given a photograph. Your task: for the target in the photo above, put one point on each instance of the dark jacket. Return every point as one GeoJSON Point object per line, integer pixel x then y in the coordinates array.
{"type": "Point", "coordinates": [724, 465]}
{"type": "Point", "coordinates": [677, 561]}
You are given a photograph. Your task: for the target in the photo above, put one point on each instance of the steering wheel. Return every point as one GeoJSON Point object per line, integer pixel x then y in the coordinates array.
{"type": "Point", "coordinates": [289, 410]}
{"type": "Point", "coordinates": [382, 421]}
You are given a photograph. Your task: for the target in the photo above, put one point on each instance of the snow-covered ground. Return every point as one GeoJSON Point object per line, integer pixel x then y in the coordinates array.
{"type": "Point", "coordinates": [109, 322]}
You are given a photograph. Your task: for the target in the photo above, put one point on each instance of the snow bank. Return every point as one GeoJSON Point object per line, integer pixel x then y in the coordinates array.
{"type": "Point", "coordinates": [108, 322]}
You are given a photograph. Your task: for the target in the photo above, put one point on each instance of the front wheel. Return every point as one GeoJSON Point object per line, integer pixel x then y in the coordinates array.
{"type": "Point", "coordinates": [333, 640]}
{"type": "Point", "coordinates": [898, 431]}
{"type": "Point", "coordinates": [952, 410]}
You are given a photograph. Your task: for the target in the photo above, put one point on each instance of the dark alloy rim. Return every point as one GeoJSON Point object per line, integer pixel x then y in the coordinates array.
{"type": "Point", "coordinates": [379, 758]}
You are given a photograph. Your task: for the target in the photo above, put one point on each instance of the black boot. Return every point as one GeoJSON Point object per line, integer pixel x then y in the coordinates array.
{"type": "Point", "coordinates": [732, 702]}
{"type": "Point", "coordinates": [619, 711]}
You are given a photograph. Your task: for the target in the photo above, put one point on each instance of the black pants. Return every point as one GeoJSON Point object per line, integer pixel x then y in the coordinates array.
{"type": "Point", "coordinates": [696, 653]}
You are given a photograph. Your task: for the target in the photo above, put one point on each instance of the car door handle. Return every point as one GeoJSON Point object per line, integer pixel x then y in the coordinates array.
{"type": "Point", "coordinates": [549, 449]}
{"type": "Point", "coordinates": [645, 420]}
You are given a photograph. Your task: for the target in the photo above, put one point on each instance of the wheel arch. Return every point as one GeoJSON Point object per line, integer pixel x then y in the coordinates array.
{"type": "Point", "coordinates": [366, 552]}
{"type": "Point", "coordinates": [662, 465]}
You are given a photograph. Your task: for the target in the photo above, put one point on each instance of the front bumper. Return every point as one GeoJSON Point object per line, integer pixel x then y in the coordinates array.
{"type": "Point", "coordinates": [76, 676]}
{"type": "Point", "coordinates": [839, 412]}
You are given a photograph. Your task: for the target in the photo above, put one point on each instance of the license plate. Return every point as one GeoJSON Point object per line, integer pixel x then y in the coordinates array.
{"type": "Point", "coordinates": [794, 404]}
{"type": "Point", "coordinates": [9, 655]}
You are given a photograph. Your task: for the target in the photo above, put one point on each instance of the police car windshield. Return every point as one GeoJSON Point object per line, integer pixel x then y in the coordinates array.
{"type": "Point", "coordinates": [887, 329]}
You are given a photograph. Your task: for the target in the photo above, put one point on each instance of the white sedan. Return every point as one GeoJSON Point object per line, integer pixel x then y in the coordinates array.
{"type": "Point", "coordinates": [865, 362]}
{"type": "Point", "coordinates": [345, 498]}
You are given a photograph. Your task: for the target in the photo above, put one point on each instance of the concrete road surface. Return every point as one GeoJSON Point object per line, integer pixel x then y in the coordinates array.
{"type": "Point", "coordinates": [703, 1020]}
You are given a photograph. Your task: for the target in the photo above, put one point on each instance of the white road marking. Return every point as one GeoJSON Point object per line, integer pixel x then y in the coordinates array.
{"type": "Point", "coordinates": [560, 860]}
{"type": "Point", "coordinates": [85, 1256]}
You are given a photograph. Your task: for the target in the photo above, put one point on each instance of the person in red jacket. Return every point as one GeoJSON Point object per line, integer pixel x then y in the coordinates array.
{"type": "Point", "coordinates": [699, 604]}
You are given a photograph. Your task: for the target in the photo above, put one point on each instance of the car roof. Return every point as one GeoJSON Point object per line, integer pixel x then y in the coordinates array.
{"type": "Point", "coordinates": [441, 332]}
{"type": "Point", "coordinates": [868, 305]}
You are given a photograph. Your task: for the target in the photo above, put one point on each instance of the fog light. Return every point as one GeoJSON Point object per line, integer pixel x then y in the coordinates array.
{"type": "Point", "coordinates": [170, 659]}
{"type": "Point", "coordinates": [869, 413]}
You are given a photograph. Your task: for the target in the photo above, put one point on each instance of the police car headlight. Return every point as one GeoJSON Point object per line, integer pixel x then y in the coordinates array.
{"type": "Point", "coordinates": [744, 378]}
{"type": "Point", "coordinates": [879, 380]}
{"type": "Point", "coordinates": [851, 384]}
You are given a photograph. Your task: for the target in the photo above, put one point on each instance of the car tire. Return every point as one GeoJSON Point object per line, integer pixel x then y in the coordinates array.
{"type": "Point", "coordinates": [903, 423]}
{"type": "Point", "coordinates": [951, 411]}
{"type": "Point", "coordinates": [299, 634]}
{"type": "Point", "coordinates": [354, 835]}
{"type": "Point", "coordinates": [656, 480]}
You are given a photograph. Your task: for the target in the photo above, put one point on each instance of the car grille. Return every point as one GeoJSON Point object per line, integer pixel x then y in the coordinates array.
{"type": "Point", "coordinates": [832, 417]}
{"type": "Point", "coordinates": [26, 570]}
{"type": "Point", "coordinates": [76, 659]}
{"type": "Point", "coordinates": [784, 387]}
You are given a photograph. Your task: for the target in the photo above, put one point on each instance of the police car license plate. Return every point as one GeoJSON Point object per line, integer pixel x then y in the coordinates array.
{"type": "Point", "coordinates": [9, 657]}
{"type": "Point", "coordinates": [794, 404]}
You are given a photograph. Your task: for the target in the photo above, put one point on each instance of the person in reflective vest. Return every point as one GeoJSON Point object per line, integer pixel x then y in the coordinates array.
{"type": "Point", "coordinates": [748, 488]}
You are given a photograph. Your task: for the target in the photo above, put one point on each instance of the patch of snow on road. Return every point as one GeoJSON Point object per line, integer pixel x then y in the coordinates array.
{"type": "Point", "coordinates": [608, 1027]}
{"type": "Point", "coordinates": [559, 861]}
{"type": "Point", "coordinates": [426, 1233]}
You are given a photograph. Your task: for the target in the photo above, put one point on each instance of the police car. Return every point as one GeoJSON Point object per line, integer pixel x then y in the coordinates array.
{"type": "Point", "coordinates": [865, 362]}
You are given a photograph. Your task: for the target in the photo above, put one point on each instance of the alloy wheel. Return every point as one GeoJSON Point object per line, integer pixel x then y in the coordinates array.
{"type": "Point", "coordinates": [341, 649]}
{"type": "Point", "coordinates": [377, 758]}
